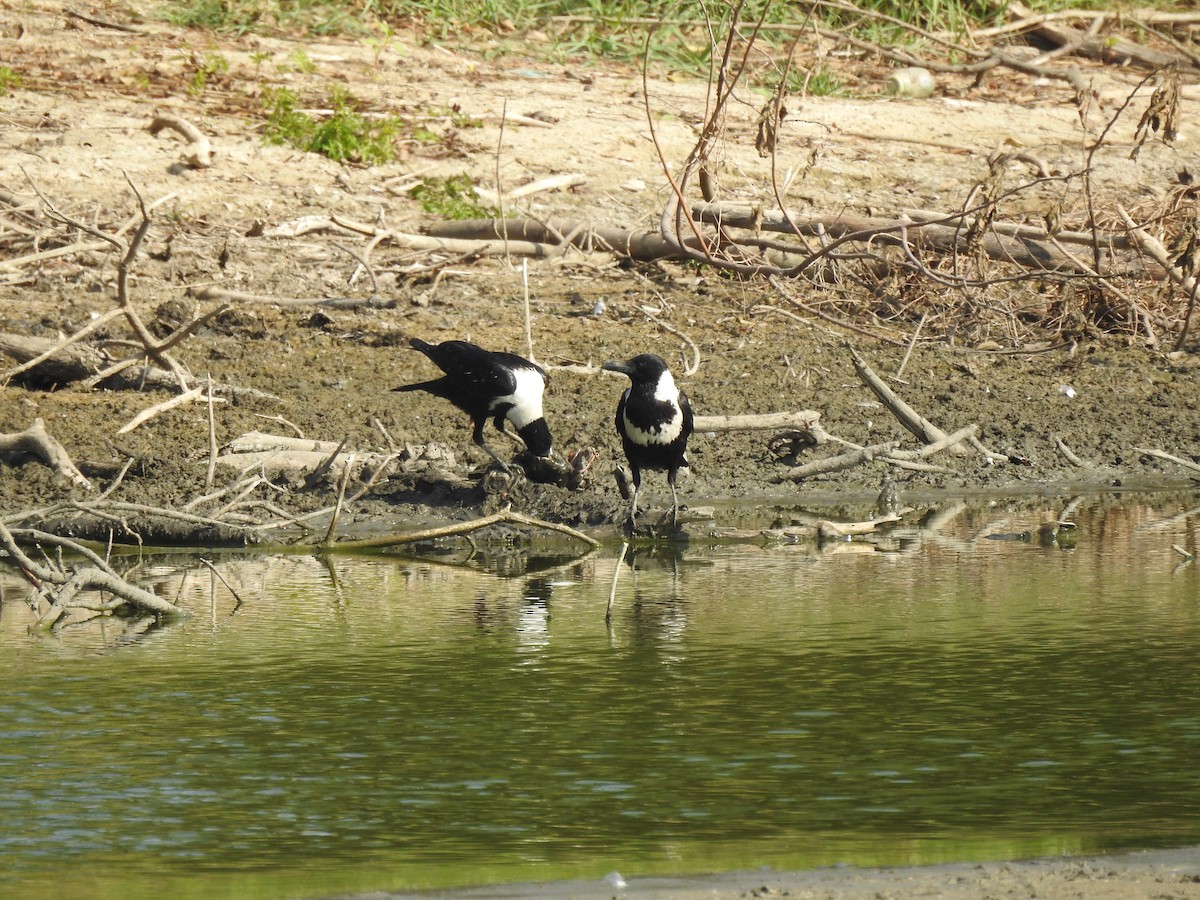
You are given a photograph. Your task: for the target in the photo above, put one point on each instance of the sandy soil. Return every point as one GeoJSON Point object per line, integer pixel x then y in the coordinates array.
{"type": "Point", "coordinates": [77, 129]}
{"type": "Point", "coordinates": [1167, 875]}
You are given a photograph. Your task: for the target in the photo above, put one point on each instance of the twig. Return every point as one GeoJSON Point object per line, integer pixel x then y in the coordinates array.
{"type": "Point", "coordinates": [221, 578]}
{"type": "Point", "coordinates": [1071, 457]}
{"type": "Point", "coordinates": [102, 23]}
{"type": "Point", "coordinates": [922, 428]}
{"type": "Point", "coordinates": [840, 462]}
{"type": "Point", "coordinates": [528, 318]}
{"type": "Point", "coordinates": [912, 342]}
{"type": "Point", "coordinates": [337, 508]}
{"type": "Point", "coordinates": [210, 474]}
{"type": "Point", "coordinates": [502, 517]}
{"type": "Point", "coordinates": [694, 366]}
{"type": "Point", "coordinates": [199, 150]}
{"type": "Point", "coordinates": [1159, 454]}
{"type": "Point", "coordinates": [36, 441]}
{"type": "Point", "coordinates": [150, 412]}
{"type": "Point", "coordinates": [612, 588]}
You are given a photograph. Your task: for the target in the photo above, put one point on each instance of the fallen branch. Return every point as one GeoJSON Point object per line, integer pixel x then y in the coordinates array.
{"type": "Point", "coordinates": [644, 246]}
{"type": "Point", "coordinates": [198, 154]}
{"type": "Point", "coordinates": [1159, 454]}
{"type": "Point", "coordinates": [924, 430]}
{"type": "Point", "coordinates": [839, 463]}
{"type": "Point", "coordinates": [805, 419]}
{"type": "Point", "coordinates": [36, 441]}
{"type": "Point", "coordinates": [426, 534]}
{"type": "Point", "coordinates": [59, 345]}
{"type": "Point", "coordinates": [150, 412]}
{"type": "Point", "coordinates": [1026, 245]}
{"type": "Point", "coordinates": [828, 530]}
{"type": "Point", "coordinates": [71, 582]}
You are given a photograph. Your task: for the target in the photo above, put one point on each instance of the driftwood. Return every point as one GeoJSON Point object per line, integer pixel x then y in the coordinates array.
{"type": "Point", "coordinates": [504, 517]}
{"type": "Point", "coordinates": [805, 420]}
{"type": "Point", "coordinates": [199, 151]}
{"type": "Point", "coordinates": [36, 441]}
{"type": "Point", "coordinates": [1091, 44]}
{"type": "Point", "coordinates": [64, 584]}
{"type": "Point", "coordinates": [1167, 457]}
{"type": "Point", "coordinates": [1031, 247]}
{"type": "Point", "coordinates": [841, 462]}
{"type": "Point", "coordinates": [924, 430]}
{"type": "Point", "coordinates": [640, 245]}
{"type": "Point", "coordinates": [829, 530]}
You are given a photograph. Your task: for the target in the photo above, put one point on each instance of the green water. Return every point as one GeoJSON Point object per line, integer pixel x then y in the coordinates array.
{"type": "Point", "coordinates": [373, 724]}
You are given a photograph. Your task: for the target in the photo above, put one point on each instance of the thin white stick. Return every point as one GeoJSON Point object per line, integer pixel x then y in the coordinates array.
{"type": "Point", "coordinates": [147, 414]}
{"type": "Point", "coordinates": [612, 590]}
{"type": "Point", "coordinates": [525, 295]}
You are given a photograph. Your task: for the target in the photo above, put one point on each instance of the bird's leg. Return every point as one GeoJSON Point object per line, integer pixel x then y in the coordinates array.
{"type": "Point", "coordinates": [633, 509]}
{"type": "Point", "coordinates": [674, 506]}
{"type": "Point", "coordinates": [477, 437]}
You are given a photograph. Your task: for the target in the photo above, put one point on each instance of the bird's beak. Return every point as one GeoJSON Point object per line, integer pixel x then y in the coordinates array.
{"type": "Point", "coordinates": [611, 366]}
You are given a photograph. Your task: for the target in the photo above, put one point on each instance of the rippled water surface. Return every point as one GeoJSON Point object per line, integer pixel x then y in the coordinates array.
{"type": "Point", "coordinates": [380, 723]}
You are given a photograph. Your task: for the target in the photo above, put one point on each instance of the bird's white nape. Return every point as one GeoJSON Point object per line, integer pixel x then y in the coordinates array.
{"type": "Point", "coordinates": [666, 391]}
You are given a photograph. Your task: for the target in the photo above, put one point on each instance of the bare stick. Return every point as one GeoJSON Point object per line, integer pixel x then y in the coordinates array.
{"type": "Point", "coordinates": [612, 588]}
{"type": "Point", "coordinates": [102, 23]}
{"type": "Point", "coordinates": [692, 367]}
{"type": "Point", "coordinates": [828, 529]}
{"type": "Point", "coordinates": [36, 441]}
{"type": "Point", "coordinates": [1071, 457]}
{"type": "Point", "coordinates": [199, 150]}
{"type": "Point", "coordinates": [210, 474]}
{"type": "Point", "coordinates": [911, 343]}
{"type": "Point", "coordinates": [221, 578]}
{"type": "Point", "coordinates": [841, 462]}
{"type": "Point", "coordinates": [525, 297]}
{"type": "Point", "coordinates": [921, 427]}
{"type": "Point", "coordinates": [337, 509]}
{"type": "Point", "coordinates": [805, 419]}
{"type": "Point", "coordinates": [504, 516]}
{"type": "Point", "coordinates": [149, 413]}
{"type": "Point", "coordinates": [1159, 454]}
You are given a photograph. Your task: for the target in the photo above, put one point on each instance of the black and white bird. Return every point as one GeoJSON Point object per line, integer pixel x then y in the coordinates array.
{"type": "Point", "coordinates": [489, 385]}
{"type": "Point", "coordinates": [654, 420]}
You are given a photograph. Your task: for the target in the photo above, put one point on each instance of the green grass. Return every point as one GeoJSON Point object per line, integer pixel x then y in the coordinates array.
{"type": "Point", "coordinates": [450, 198]}
{"type": "Point", "coordinates": [8, 80]}
{"type": "Point", "coordinates": [346, 135]}
{"type": "Point", "coordinates": [620, 30]}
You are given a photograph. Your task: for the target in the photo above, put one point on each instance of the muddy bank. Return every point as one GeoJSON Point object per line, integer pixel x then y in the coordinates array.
{"type": "Point", "coordinates": [330, 380]}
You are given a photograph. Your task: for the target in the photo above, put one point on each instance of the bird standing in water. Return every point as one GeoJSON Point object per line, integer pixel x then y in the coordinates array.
{"type": "Point", "coordinates": [654, 420]}
{"type": "Point", "coordinates": [489, 385]}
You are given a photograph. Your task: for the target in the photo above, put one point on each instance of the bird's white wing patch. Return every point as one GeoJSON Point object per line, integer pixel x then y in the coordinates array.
{"type": "Point", "coordinates": [526, 398]}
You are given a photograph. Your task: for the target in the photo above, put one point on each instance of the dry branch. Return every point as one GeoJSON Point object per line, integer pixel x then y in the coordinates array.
{"type": "Point", "coordinates": [199, 151]}
{"type": "Point", "coordinates": [150, 412]}
{"type": "Point", "coordinates": [841, 462]}
{"type": "Point", "coordinates": [36, 441]}
{"type": "Point", "coordinates": [1106, 48]}
{"type": "Point", "coordinates": [503, 517]}
{"type": "Point", "coordinates": [71, 581]}
{"type": "Point", "coordinates": [922, 428]}
{"type": "Point", "coordinates": [1031, 247]}
{"type": "Point", "coordinates": [1159, 454]}
{"type": "Point", "coordinates": [640, 245]}
{"type": "Point", "coordinates": [805, 420]}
